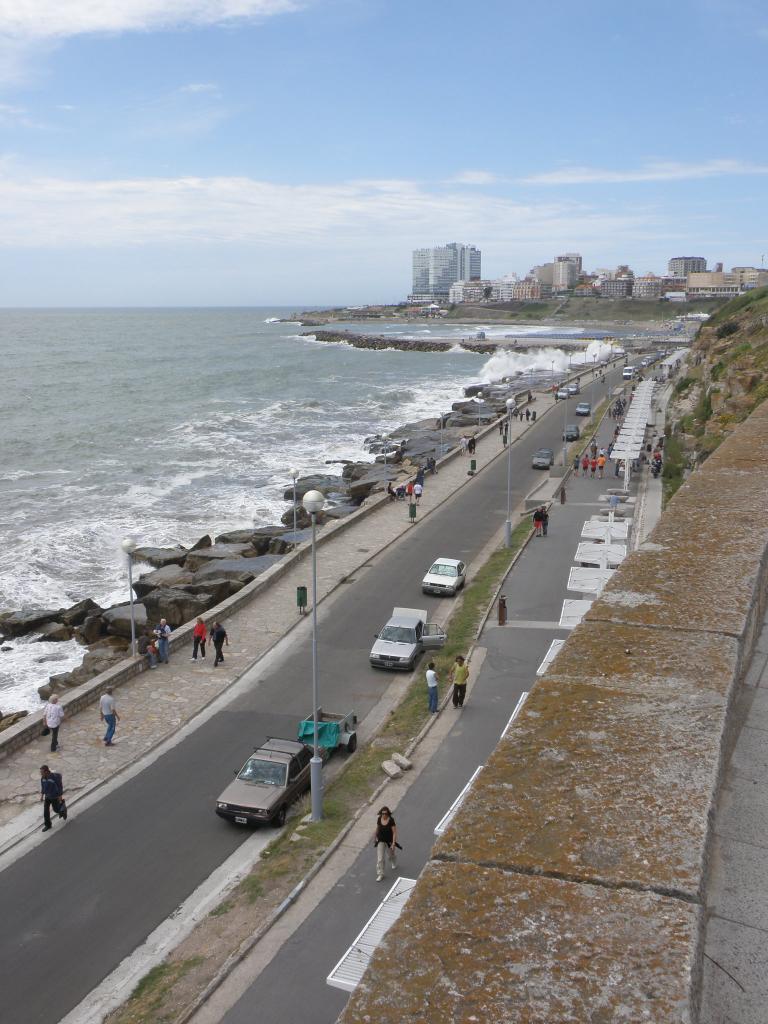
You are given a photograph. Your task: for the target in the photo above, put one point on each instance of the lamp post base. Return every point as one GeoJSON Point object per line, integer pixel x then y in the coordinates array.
{"type": "Point", "coordinates": [508, 534]}
{"type": "Point", "coordinates": [316, 782]}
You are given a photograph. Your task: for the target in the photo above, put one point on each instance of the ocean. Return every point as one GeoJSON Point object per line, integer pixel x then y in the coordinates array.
{"type": "Point", "coordinates": [170, 423]}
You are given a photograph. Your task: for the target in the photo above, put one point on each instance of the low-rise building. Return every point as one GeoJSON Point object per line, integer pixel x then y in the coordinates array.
{"type": "Point", "coordinates": [648, 286]}
{"type": "Point", "coordinates": [713, 284]}
{"type": "Point", "coordinates": [618, 288]}
{"type": "Point", "coordinates": [530, 290]}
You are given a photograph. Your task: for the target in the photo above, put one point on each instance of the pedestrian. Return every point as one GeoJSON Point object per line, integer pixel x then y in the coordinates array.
{"type": "Point", "coordinates": [409, 490]}
{"type": "Point", "coordinates": [584, 464]}
{"type": "Point", "coordinates": [530, 396]}
{"type": "Point", "coordinates": [505, 435]}
{"type": "Point", "coordinates": [53, 715]}
{"type": "Point", "coordinates": [162, 632]}
{"type": "Point", "coordinates": [151, 653]}
{"type": "Point", "coordinates": [391, 491]}
{"type": "Point", "coordinates": [418, 490]}
{"type": "Point", "coordinates": [218, 639]}
{"type": "Point", "coordinates": [459, 676]}
{"type": "Point", "coordinates": [385, 841]}
{"type": "Point", "coordinates": [576, 466]}
{"type": "Point", "coordinates": [593, 449]}
{"type": "Point", "coordinates": [464, 442]}
{"type": "Point", "coordinates": [544, 520]}
{"type": "Point", "coordinates": [419, 478]}
{"type": "Point", "coordinates": [537, 523]}
{"type": "Point", "coordinates": [51, 795]}
{"type": "Point", "coordinates": [108, 713]}
{"type": "Point", "coordinates": [619, 466]}
{"type": "Point", "coordinates": [471, 445]}
{"type": "Point", "coordinates": [613, 501]}
{"type": "Point", "coordinates": [432, 688]}
{"type": "Point", "coordinates": [600, 466]}
{"type": "Point", "coordinates": [527, 414]}
{"type": "Point", "coordinates": [501, 427]}
{"type": "Point", "coordinates": [592, 467]}
{"type": "Point", "coordinates": [199, 636]}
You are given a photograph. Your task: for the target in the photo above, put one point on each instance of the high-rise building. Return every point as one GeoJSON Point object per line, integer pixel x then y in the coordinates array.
{"type": "Point", "coordinates": [681, 266]}
{"type": "Point", "coordinates": [436, 269]}
{"type": "Point", "coordinates": [543, 273]}
{"type": "Point", "coordinates": [566, 270]}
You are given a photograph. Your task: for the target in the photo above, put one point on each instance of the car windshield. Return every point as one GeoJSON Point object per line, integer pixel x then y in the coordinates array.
{"type": "Point", "coordinates": [398, 634]}
{"type": "Point", "coordinates": [263, 773]}
{"type": "Point", "coordinates": [543, 453]}
{"type": "Point", "coordinates": [441, 569]}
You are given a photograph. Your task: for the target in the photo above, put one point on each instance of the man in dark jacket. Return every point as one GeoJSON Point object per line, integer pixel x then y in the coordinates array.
{"type": "Point", "coordinates": [51, 795]}
{"type": "Point", "coordinates": [219, 638]}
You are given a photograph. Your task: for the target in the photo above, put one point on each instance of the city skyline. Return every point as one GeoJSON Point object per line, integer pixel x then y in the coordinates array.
{"type": "Point", "coordinates": [222, 153]}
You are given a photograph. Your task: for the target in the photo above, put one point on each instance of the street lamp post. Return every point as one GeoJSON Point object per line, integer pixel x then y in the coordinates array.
{"type": "Point", "coordinates": [508, 525]}
{"type": "Point", "coordinates": [313, 503]}
{"type": "Point", "coordinates": [553, 379]}
{"type": "Point", "coordinates": [565, 442]}
{"type": "Point", "coordinates": [294, 476]}
{"type": "Point", "coordinates": [479, 407]}
{"type": "Point", "coordinates": [129, 545]}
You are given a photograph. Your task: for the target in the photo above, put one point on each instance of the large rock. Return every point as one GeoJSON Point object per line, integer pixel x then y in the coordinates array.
{"type": "Point", "coordinates": [78, 613]}
{"type": "Point", "coordinates": [169, 576]}
{"type": "Point", "coordinates": [160, 556]}
{"type": "Point", "coordinates": [219, 589]}
{"type": "Point", "coordinates": [260, 539]}
{"type": "Point", "coordinates": [218, 552]}
{"type": "Point", "coordinates": [90, 631]}
{"type": "Point", "coordinates": [11, 718]}
{"type": "Point", "coordinates": [118, 619]}
{"type": "Point", "coordinates": [103, 656]}
{"type": "Point", "coordinates": [53, 631]}
{"type": "Point", "coordinates": [204, 542]}
{"type": "Point", "coordinates": [360, 489]}
{"type": "Point", "coordinates": [279, 546]}
{"type": "Point", "coordinates": [23, 622]}
{"type": "Point", "coordinates": [242, 569]}
{"type": "Point", "coordinates": [341, 511]}
{"type": "Point", "coordinates": [236, 537]}
{"type": "Point", "coordinates": [316, 482]}
{"type": "Point", "coordinates": [177, 606]}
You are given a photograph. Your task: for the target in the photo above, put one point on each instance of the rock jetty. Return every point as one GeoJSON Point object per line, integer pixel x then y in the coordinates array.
{"type": "Point", "coordinates": [378, 342]}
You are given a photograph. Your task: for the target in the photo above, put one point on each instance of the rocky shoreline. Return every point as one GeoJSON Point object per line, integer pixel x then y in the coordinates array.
{"type": "Point", "coordinates": [184, 583]}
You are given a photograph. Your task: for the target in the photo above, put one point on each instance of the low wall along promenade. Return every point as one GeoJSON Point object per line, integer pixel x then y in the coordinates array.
{"type": "Point", "coordinates": [569, 887]}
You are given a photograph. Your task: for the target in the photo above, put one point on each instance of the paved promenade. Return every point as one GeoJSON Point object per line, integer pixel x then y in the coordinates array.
{"type": "Point", "coordinates": [153, 705]}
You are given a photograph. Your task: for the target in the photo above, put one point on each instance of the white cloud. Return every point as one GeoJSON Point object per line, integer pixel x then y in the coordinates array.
{"type": "Point", "coordinates": [46, 19]}
{"type": "Point", "coordinates": [54, 213]}
{"type": "Point", "coordinates": [473, 178]}
{"type": "Point", "coordinates": [649, 172]}
{"type": "Point", "coordinates": [197, 88]}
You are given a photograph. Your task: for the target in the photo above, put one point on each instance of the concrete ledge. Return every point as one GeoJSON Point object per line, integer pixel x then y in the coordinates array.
{"type": "Point", "coordinates": [569, 888]}
{"type": "Point", "coordinates": [495, 947]}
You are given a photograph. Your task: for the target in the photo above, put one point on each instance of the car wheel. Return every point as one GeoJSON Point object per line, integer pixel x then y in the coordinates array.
{"type": "Point", "coordinates": [279, 819]}
{"type": "Point", "coordinates": [352, 745]}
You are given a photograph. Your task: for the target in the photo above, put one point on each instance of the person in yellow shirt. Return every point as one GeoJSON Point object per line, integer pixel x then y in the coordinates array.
{"type": "Point", "coordinates": [459, 676]}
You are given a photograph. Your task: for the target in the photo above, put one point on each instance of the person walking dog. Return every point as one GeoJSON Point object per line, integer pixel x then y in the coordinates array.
{"type": "Point", "coordinates": [385, 841]}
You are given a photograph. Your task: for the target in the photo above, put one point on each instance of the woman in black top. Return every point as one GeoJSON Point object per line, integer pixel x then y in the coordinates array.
{"type": "Point", "coordinates": [385, 840]}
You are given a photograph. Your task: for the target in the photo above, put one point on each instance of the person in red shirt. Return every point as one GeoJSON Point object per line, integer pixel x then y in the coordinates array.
{"type": "Point", "coordinates": [584, 465]}
{"type": "Point", "coordinates": [592, 467]}
{"type": "Point", "coordinates": [199, 636]}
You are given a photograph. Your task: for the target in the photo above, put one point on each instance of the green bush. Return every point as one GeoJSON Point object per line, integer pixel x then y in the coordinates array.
{"type": "Point", "coordinates": [683, 384]}
{"type": "Point", "coordinates": [727, 329]}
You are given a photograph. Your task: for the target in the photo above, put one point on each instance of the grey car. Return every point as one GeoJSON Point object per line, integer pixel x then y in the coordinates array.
{"type": "Point", "coordinates": [275, 775]}
{"type": "Point", "coordinates": [404, 638]}
{"type": "Point", "coordinates": [543, 458]}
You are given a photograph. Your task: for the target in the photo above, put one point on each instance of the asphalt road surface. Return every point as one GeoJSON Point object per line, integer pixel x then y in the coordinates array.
{"type": "Point", "coordinates": [80, 902]}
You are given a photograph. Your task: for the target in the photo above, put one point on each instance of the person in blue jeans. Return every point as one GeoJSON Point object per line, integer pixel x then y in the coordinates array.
{"type": "Point", "coordinates": [432, 688]}
{"type": "Point", "coordinates": [162, 632]}
{"type": "Point", "coordinates": [109, 714]}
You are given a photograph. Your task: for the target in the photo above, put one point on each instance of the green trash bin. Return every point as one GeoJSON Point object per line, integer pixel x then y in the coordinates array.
{"type": "Point", "coordinates": [472, 467]}
{"type": "Point", "coordinates": [301, 599]}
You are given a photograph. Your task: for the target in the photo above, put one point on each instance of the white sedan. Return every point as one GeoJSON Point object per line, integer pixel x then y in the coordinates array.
{"type": "Point", "coordinates": [445, 577]}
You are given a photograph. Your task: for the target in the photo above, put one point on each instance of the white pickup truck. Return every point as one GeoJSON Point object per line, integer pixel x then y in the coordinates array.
{"type": "Point", "coordinates": [406, 635]}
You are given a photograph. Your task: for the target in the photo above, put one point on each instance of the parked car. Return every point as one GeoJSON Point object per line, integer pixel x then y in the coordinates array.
{"type": "Point", "coordinates": [446, 576]}
{"type": "Point", "coordinates": [562, 393]}
{"type": "Point", "coordinates": [543, 458]}
{"type": "Point", "coordinates": [571, 432]}
{"type": "Point", "coordinates": [406, 635]}
{"type": "Point", "coordinates": [574, 389]}
{"type": "Point", "coordinates": [275, 775]}
{"type": "Point", "coordinates": [583, 409]}
{"type": "Point", "coordinates": [628, 372]}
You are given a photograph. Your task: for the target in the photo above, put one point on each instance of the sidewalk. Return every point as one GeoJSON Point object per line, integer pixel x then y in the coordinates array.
{"type": "Point", "coordinates": [735, 984]}
{"type": "Point", "coordinates": [154, 705]}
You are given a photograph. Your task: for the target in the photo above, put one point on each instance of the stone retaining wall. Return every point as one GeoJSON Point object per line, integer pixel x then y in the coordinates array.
{"type": "Point", "coordinates": [569, 887]}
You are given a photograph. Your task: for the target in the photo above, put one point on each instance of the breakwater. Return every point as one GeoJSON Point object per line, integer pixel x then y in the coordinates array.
{"type": "Point", "coordinates": [382, 343]}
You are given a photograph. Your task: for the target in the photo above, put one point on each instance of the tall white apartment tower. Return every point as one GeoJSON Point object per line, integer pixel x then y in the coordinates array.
{"type": "Point", "coordinates": [565, 271]}
{"type": "Point", "coordinates": [436, 269]}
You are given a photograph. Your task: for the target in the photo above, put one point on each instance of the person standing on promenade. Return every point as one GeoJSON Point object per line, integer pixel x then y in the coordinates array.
{"type": "Point", "coordinates": [385, 841]}
{"type": "Point", "coordinates": [432, 688]}
{"type": "Point", "coordinates": [600, 466]}
{"type": "Point", "coordinates": [527, 414]}
{"type": "Point", "coordinates": [53, 714]}
{"type": "Point", "coordinates": [162, 632]}
{"type": "Point", "coordinates": [219, 638]}
{"type": "Point", "coordinates": [418, 490]}
{"type": "Point", "coordinates": [576, 466]}
{"type": "Point", "coordinates": [544, 520]}
{"type": "Point", "coordinates": [533, 416]}
{"type": "Point", "coordinates": [199, 636]}
{"type": "Point", "coordinates": [584, 464]}
{"type": "Point", "coordinates": [592, 467]}
{"type": "Point", "coordinates": [505, 435]}
{"type": "Point", "coordinates": [472, 445]}
{"type": "Point", "coordinates": [459, 676]}
{"type": "Point", "coordinates": [537, 522]}
{"type": "Point", "coordinates": [464, 442]}
{"type": "Point", "coordinates": [108, 713]}
{"type": "Point", "coordinates": [51, 795]}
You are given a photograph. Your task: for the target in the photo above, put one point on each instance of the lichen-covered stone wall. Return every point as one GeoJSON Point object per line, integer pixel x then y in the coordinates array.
{"type": "Point", "coordinates": [569, 888]}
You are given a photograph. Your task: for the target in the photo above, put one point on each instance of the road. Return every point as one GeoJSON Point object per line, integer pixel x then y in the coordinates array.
{"type": "Point", "coordinates": [295, 979]}
{"type": "Point", "coordinates": [77, 904]}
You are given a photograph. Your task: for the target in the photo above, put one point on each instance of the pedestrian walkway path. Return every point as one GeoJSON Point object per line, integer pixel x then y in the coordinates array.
{"type": "Point", "coordinates": [735, 988]}
{"type": "Point", "coordinates": [155, 704]}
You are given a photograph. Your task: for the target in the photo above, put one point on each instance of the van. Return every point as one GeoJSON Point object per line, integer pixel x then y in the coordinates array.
{"type": "Point", "coordinates": [628, 372]}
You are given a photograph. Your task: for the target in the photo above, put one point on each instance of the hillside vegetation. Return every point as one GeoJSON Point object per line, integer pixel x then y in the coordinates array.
{"type": "Point", "coordinates": [726, 379]}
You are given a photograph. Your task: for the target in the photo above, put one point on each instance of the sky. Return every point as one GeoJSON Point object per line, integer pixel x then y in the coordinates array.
{"type": "Point", "coordinates": [277, 152]}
